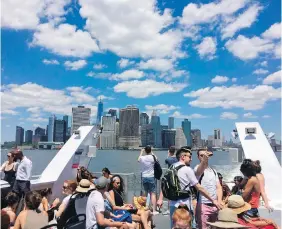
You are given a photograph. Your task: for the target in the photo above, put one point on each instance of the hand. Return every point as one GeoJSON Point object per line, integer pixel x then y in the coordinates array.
{"type": "Point", "coordinates": [56, 202]}
{"type": "Point", "coordinates": [269, 208]}
{"type": "Point", "coordinates": [205, 157]}
{"type": "Point", "coordinates": [160, 203]}
{"type": "Point", "coordinates": [217, 204]}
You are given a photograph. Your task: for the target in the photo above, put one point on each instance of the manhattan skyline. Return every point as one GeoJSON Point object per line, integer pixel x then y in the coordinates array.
{"type": "Point", "coordinates": [213, 62]}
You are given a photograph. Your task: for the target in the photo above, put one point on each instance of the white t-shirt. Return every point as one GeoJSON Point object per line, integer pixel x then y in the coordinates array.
{"type": "Point", "coordinates": [186, 177]}
{"type": "Point", "coordinates": [24, 169]}
{"type": "Point", "coordinates": [95, 204]}
{"type": "Point", "coordinates": [208, 182]}
{"type": "Point", "coordinates": [147, 165]}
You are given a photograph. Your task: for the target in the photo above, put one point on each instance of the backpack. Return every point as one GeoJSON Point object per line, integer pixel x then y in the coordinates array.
{"type": "Point", "coordinates": [170, 185]}
{"type": "Point", "coordinates": [157, 169]}
{"type": "Point", "coordinates": [200, 180]}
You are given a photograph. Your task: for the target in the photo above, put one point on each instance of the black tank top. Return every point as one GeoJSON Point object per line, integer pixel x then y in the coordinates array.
{"type": "Point", "coordinates": [118, 199]}
{"type": "Point", "coordinates": [10, 175]}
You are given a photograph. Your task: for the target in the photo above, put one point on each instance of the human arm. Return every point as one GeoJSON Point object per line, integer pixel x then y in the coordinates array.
{"type": "Point", "coordinates": [141, 153]}
{"type": "Point", "coordinates": [19, 221]}
{"type": "Point", "coordinates": [45, 204]}
{"type": "Point", "coordinates": [61, 210]}
{"type": "Point", "coordinates": [111, 199]}
{"type": "Point", "coordinates": [199, 170]}
{"type": "Point", "coordinates": [103, 222]}
{"type": "Point", "coordinates": [219, 192]}
{"type": "Point", "coordinates": [262, 191]}
{"type": "Point", "coordinates": [206, 194]}
{"type": "Point", "coordinates": [248, 189]}
{"type": "Point", "coordinates": [3, 166]}
{"type": "Point", "coordinates": [160, 200]}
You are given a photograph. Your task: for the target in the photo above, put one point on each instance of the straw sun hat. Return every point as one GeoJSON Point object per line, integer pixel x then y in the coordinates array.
{"type": "Point", "coordinates": [84, 186]}
{"type": "Point", "coordinates": [139, 202]}
{"type": "Point", "coordinates": [227, 218]}
{"type": "Point", "coordinates": [237, 204]}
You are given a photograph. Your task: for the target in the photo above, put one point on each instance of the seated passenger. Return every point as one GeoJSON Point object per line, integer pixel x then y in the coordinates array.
{"type": "Point", "coordinates": [5, 220]}
{"type": "Point", "coordinates": [181, 219]}
{"type": "Point", "coordinates": [236, 189]}
{"type": "Point", "coordinates": [29, 218]}
{"type": "Point", "coordinates": [107, 173]}
{"type": "Point", "coordinates": [46, 194]}
{"type": "Point", "coordinates": [69, 188]}
{"type": "Point", "coordinates": [116, 193]}
{"type": "Point", "coordinates": [12, 200]}
{"type": "Point", "coordinates": [241, 208]}
{"type": "Point", "coordinates": [225, 189]}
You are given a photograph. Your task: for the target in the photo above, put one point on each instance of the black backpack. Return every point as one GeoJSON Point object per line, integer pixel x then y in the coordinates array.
{"type": "Point", "coordinates": [170, 185]}
{"type": "Point", "coordinates": [157, 169]}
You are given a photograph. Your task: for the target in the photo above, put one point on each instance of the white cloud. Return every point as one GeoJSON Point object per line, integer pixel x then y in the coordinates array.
{"type": "Point", "coordinates": [260, 71]}
{"type": "Point", "coordinates": [234, 80]}
{"type": "Point", "coordinates": [135, 29]}
{"type": "Point", "coordinates": [220, 79]}
{"type": "Point", "coordinates": [246, 97]}
{"type": "Point", "coordinates": [75, 65]}
{"type": "Point", "coordinates": [207, 48]}
{"type": "Point", "coordinates": [228, 115]}
{"type": "Point", "coordinates": [277, 51]}
{"type": "Point", "coordinates": [264, 64]}
{"type": "Point", "coordinates": [99, 66]}
{"type": "Point", "coordinates": [157, 64]}
{"type": "Point", "coordinates": [249, 115]}
{"type": "Point", "coordinates": [55, 9]}
{"type": "Point", "coordinates": [248, 48]}
{"type": "Point", "coordinates": [161, 108]}
{"type": "Point", "coordinates": [274, 32]}
{"type": "Point", "coordinates": [128, 74]}
{"type": "Point", "coordinates": [207, 13]}
{"type": "Point", "coordinates": [266, 116]}
{"type": "Point", "coordinates": [273, 78]}
{"type": "Point", "coordinates": [177, 114]}
{"type": "Point", "coordinates": [146, 88]}
{"type": "Point", "coordinates": [123, 63]}
{"type": "Point", "coordinates": [64, 40]}
{"type": "Point", "coordinates": [8, 111]}
{"type": "Point", "coordinates": [48, 62]}
{"type": "Point", "coordinates": [244, 20]}
{"type": "Point", "coordinates": [37, 119]}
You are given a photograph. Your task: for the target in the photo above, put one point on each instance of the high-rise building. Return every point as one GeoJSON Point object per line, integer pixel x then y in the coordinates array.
{"type": "Point", "coordinates": [129, 127]}
{"type": "Point", "coordinates": [144, 119]}
{"type": "Point", "coordinates": [196, 138]}
{"type": "Point", "coordinates": [186, 126]}
{"type": "Point", "coordinates": [170, 122]}
{"type": "Point", "coordinates": [210, 141]}
{"type": "Point", "coordinates": [108, 136]}
{"type": "Point", "coordinates": [39, 131]}
{"type": "Point", "coordinates": [99, 112]}
{"type": "Point", "coordinates": [80, 117]}
{"type": "Point", "coordinates": [28, 136]}
{"type": "Point", "coordinates": [66, 119]}
{"type": "Point", "coordinates": [168, 138]}
{"type": "Point", "coordinates": [112, 112]}
{"type": "Point", "coordinates": [117, 134]}
{"type": "Point", "coordinates": [180, 139]}
{"type": "Point", "coordinates": [217, 138]}
{"type": "Point", "coordinates": [51, 127]}
{"type": "Point", "coordinates": [147, 135]}
{"type": "Point", "coordinates": [157, 129]}
{"type": "Point", "coordinates": [164, 127]}
{"type": "Point", "coordinates": [60, 131]}
{"type": "Point", "coordinates": [19, 135]}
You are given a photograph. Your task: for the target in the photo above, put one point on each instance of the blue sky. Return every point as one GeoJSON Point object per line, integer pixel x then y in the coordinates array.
{"type": "Point", "coordinates": [213, 62]}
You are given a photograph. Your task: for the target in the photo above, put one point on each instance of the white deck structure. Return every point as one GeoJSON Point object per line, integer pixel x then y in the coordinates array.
{"type": "Point", "coordinates": [257, 147]}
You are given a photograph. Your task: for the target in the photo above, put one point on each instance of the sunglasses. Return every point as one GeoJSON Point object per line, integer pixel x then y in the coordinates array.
{"type": "Point", "coordinates": [8, 155]}
{"type": "Point", "coordinates": [65, 187]}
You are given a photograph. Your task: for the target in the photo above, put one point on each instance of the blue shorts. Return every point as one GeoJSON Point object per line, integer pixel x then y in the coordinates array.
{"type": "Point", "coordinates": [149, 184]}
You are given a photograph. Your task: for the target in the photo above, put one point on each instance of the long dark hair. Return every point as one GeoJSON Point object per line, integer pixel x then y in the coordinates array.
{"type": "Point", "coordinates": [248, 168]}
{"type": "Point", "coordinates": [121, 187]}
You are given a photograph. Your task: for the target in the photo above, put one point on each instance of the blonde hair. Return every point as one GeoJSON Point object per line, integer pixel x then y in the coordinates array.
{"type": "Point", "coordinates": [181, 214]}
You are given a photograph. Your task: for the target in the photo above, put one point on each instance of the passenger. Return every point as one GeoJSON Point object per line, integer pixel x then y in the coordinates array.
{"type": "Point", "coordinates": [5, 220]}
{"type": "Point", "coordinates": [261, 179]}
{"type": "Point", "coordinates": [251, 192]}
{"type": "Point", "coordinates": [12, 200]}
{"type": "Point", "coordinates": [181, 219]}
{"type": "Point", "coordinates": [187, 179]}
{"type": "Point", "coordinates": [116, 188]}
{"type": "Point", "coordinates": [148, 180]}
{"type": "Point", "coordinates": [9, 169]}
{"type": "Point", "coordinates": [46, 194]}
{"type": "Point", "coordinates": [171, 158]}
{"type": "Point", "coordinates": [107, 173]}
{"type": "Point", "coordinates": [241, 208]}
{"type": "Point", "coordinates": [29, 218]}
{"type": "Point", "coordinates": [227, 219]}
{"type": "Point", "coordinates": [206, 210]}
{"type": "Point", "coordinates": [22, 183]}
{"type": "Point", "coordinates": [236, 189]}
{"type": "Point", "coordinates": [69, 188]}
{"type": "Point", "coordinates": [225, 189]}
{"type": "Point", "coordinates": [95, 208]}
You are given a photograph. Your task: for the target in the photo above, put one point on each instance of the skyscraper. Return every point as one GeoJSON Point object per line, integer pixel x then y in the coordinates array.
{"type": "Point", "coordinates": [28, 136]}
{"type": "Point", "coordinates": [144, 119]}
{"type": "Point", "coordinates": [99, 112]}
{"type": "Point", "coordinates": [66, 119]}
{"type": "Point", "coordinates": [186, 126]}
{"type": "Point", "coordinates": [80, 117]}
{"type": "Point", "coordinates": [19, 135]}
{"type": "Point", "coordinates": [60, 131]}
{"type": "Point", "coordinates": [157, 129]}
{"type": "Point", "coordinates": [147, 135]}
{"type": "Point", "coordinates": [168, 138]}
{"type": "Point", "coordinates": [108, 136]}
{"type": "Point", "coordinates": [217, 138]}
{"type": "Point", "coordinates": [196, 138]}
{"type": "Point", "coordinates": [180, 139]}
{"type": "Point", "coordinates": [129, 127]}
{"type": "Point", "coordinates": [51, 128]}
{"type": "Point", "coordinates": [170, 122]}
{"type": "Point", "coordinates": [39, 131]}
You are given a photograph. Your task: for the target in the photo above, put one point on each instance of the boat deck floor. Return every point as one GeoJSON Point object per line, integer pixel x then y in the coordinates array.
{"type": "Point", "coordinates": [163, 222]}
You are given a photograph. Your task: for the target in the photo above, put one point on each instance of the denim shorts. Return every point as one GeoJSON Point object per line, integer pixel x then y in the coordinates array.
{"type": "Point", "coordinates": [149, 184]}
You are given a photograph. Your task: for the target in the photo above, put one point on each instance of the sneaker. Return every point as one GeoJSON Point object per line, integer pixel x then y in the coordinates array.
{"type": "Point", "coordinates": [166, 212]}
{"type": "Point", "coordinates": [155, 213]}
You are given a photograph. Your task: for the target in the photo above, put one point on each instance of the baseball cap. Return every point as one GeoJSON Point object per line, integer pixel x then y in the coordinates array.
{"type": "Point", "coordinates": [101, 183]}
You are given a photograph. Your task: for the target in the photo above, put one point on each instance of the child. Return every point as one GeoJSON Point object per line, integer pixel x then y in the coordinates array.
{"type": "Point", "coordinates": [181, 218]}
